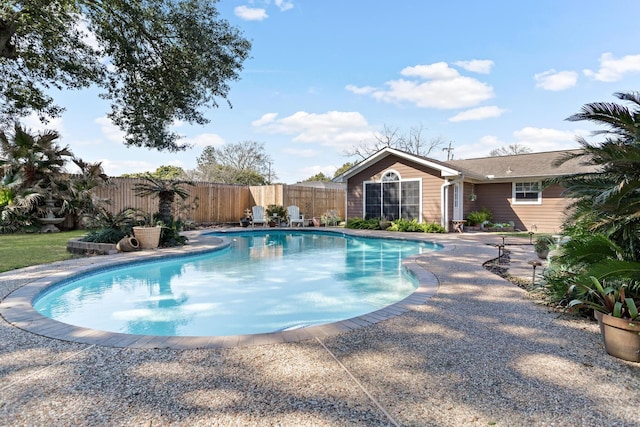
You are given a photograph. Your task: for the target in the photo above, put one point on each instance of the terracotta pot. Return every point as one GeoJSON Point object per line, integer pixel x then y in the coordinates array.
{"type": "Point", "coordinates": [621, 337]}
{"type": "Point", "coordinates": [128, 244]}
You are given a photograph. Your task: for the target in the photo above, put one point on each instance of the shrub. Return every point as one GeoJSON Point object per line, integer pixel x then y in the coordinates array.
{"type": "Point", "coordinates": [478, 217]}
{"type": "Point", "coordinates": [411, 225]}
{"type": "Point", "coordinates": [363, 224]}
{"type": "Point", "coordinates": [104, 235]}
{"type": "Point", "coordinates": [170, 235]}
{"type": "Point", "coordinates": [432, 227]}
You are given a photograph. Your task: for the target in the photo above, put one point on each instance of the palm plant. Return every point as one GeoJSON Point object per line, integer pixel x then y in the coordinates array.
{"type": "Point", "coordinates": [77, 190]}
{"type": "Point", "coordinates": [608, 200]}
{"type": "Point", "coordinates": [166, 192]}
{"type": "Point", "coordinates": [37, 159]}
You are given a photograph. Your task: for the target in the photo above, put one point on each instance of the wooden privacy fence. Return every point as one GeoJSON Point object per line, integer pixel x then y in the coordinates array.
{"type": "Point", "coordinates": [210, 203]}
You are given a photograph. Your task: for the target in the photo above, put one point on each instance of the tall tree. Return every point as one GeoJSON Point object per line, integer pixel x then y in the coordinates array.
{"type": "Point", "coordinates": [412, 142]}
{"type": "Point", "coordinates": [345, 167]}
{"type": "Point", "coordinates": [607, 200]}
{"type": "Point", "coordinates": [158, 61]}
{"type": "Point", "coordinates": [317, 177]}
{"type": "Point", "coordinates": [244, 162]}
{"type": "Point", "coordinates": [510, 150]}
{"type": "Point", "coordinates": [162, 172]}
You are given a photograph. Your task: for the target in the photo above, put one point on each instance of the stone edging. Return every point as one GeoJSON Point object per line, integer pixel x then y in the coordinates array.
{"type": "Point", "coordinates": [76, 246]}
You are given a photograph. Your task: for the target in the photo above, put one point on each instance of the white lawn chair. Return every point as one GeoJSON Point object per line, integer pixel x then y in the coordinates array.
{"type": "Point", "coordinates": [294, 216]}
{"type": "Point", "coordinates": [257, 216]}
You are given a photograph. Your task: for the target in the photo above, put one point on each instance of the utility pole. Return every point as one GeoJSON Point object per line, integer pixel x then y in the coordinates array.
{"type": "Point", "coordinates": [449, 151]}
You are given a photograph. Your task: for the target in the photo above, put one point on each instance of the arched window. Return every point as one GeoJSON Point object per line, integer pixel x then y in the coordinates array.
{"type": "Point", "coordinates": [390, 176]}
{"type": "Point", "coordinates": [392, 197]}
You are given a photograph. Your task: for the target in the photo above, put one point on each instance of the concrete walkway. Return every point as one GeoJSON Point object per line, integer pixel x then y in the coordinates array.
{"type": "Point", "coordinates": [479, 352]}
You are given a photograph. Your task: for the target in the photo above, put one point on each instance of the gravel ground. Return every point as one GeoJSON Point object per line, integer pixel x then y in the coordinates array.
{"type": "Point", "coordinates": [479, 352]}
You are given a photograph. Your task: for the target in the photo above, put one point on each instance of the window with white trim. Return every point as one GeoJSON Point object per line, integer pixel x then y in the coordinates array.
{"type": "Point", "coordinates": [392, 197]}
{"type": "Point", "coordinates": [527, 193]}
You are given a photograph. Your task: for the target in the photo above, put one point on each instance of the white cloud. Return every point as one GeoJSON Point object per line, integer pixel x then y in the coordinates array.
{"type": "Point", "coordinates": [480, 66]}
{"type": "Point", "coordinates": [479, 149]}
{"type": "Point", "coordinates": [250, 13]}
{"type": "Point", "coordinates": [437, 71]}
{"type": "Point", "coordinates": [204, 140]}
{"type": "Point", "coordinates": [284, 5]}
{"type": "Point", "coordinates": [117, 168]}
{"type": "Point", "coordinates": [612, 69]}
{"type": "Point", "coordinates": [306, 153]}
{"type": "Point", "coordinates": [444, 88]}
{"type": "Point", "coordinates": [364, 90]}
{"type": "Point", "coordinates": [480, 113]}
{"type": "Point", "coordinates": [109, 130]}
{"type": "Point", "coordinates": [556, 80]}
{"type": "Point", "coordinates": [545, 139]}
{"type": "Point", "coordinates": [265, 119]}
{"type": "Point", "coordinates": [32, 123]}
{"type": "Point", "coordinates": [88, 36]}
{"type": "Point", "coordinates": [460, 92]}
{"type": "Point", "coordinates": [316, 169]}
{"type": "Point", "coordinates": [333, 128]}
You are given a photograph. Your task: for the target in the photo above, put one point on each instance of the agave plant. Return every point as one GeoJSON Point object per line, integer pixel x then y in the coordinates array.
{"type": "Point", "coordinates": [617, 299]}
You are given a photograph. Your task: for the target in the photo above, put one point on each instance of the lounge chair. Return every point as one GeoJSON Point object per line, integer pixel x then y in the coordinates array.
{"type": "Point", "coordinates": [294, 216]}
{"type": "Point", "coordinates": [257, 216]}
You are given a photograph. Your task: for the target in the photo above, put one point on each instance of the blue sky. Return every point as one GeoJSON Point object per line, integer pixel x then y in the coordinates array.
{"type": "Point", "coordinates": [325, 75]}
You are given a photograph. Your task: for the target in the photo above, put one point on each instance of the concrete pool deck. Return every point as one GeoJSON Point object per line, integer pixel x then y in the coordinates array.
{"type": "Point", "coordinates": [478, 352]}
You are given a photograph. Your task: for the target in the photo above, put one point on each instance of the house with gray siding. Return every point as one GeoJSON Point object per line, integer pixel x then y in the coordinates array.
{"type": "Point", "coordinates": [395, 184]}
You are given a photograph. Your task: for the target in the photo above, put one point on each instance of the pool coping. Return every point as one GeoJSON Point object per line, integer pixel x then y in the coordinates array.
{"type": "Point", "coordinates": [17, 309]}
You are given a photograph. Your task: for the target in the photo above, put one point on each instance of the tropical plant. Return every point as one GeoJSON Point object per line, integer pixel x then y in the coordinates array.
{"type": "Point", "coordinates": [277, 210]}
{"type": "Point", "coordinates": [411, 225]}
{"type": "Point", "coordinates": [77, 191]}
{"type": "Point", "coordinates": [363, 224]}
{"type": "Point", "coordinates": [607, 200]}
{"type": "Point", "coordinates": [106, 227]}
{"type": "Point", "coordinates": [585, 255]}
{"type": "Point", "coordinates": [479, 217]}
{"type": "Point", "coordinates": [543, 243]}
{"type": "Point", "coordinates": [31, 159]}
{"type": "Point", "coordinates": [166, 192]}
{"type": "Point", "coordinates": [170, 234]}
{"type": "Point", "coordinates": [616, 298]}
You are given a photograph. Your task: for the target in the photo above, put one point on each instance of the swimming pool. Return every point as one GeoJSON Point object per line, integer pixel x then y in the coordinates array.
{"type": "Point", "coordinates": [265, 281]}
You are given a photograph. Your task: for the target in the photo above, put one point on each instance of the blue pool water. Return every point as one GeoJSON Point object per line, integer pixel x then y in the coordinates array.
{"type": "Point", "coordinates": [264, 282]}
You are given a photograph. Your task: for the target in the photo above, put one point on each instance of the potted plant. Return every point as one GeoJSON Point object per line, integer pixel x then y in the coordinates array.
{"type": "Point", "coordinates": [276, 214]}
{"type": "Point", "coordinates": [149, 233]}
{"type": "Point", "coordinates": [542, 246]}
{"type": "Point", "coordinates": [246, 219]}
{"type": "Point", "coordinates": [615, 307]}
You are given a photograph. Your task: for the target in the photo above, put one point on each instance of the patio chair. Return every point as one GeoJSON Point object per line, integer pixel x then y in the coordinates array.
{"type": "Point", "coordinates": [257, 216]}
{"type": "Point", "coordinates": [294, 216]}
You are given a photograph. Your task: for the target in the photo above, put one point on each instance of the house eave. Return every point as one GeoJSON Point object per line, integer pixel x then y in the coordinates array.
{"type": "Point", "coordinates": [445, 171]}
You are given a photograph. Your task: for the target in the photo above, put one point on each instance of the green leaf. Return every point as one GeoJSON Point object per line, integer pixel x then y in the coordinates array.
{"type": "Point", "coordinates": [631, 307]}
{"type": "Point", "coordinates": [617, 309]}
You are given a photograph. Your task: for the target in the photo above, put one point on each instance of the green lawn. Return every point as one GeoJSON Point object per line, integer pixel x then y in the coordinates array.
{"type": "Point", "coordinates": [23, 250]}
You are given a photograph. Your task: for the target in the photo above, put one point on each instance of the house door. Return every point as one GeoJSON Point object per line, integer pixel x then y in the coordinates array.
{"type": "Point", "coordinates": [457, 201]}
